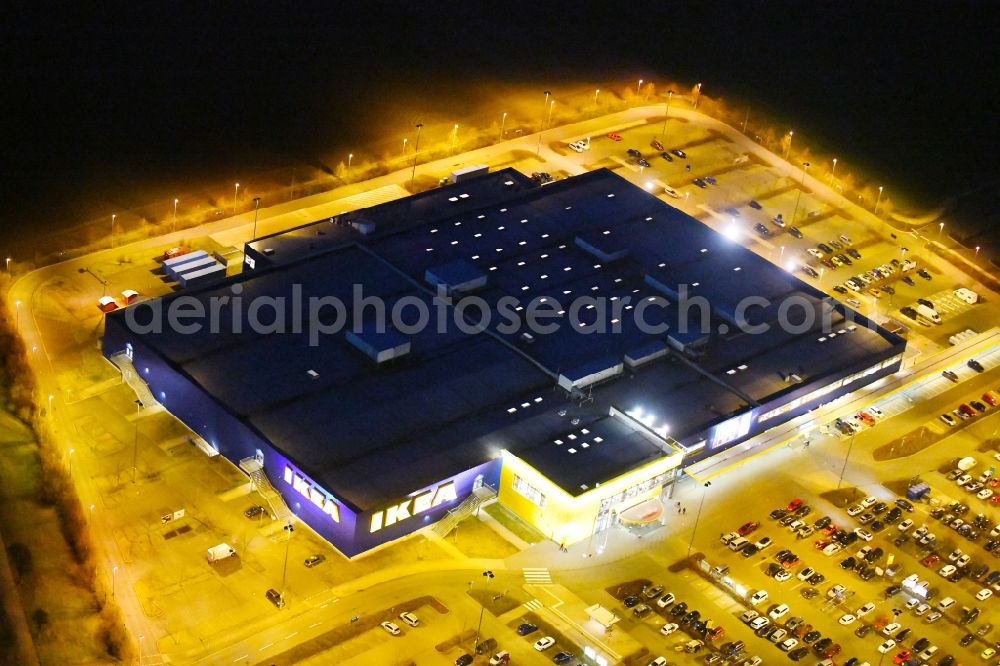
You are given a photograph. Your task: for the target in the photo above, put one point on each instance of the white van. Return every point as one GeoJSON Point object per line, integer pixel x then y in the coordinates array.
{"type": "Point", "coordinates": [726, 538]}
{"type": "Point", "coordinates": [967, 295]}
{"type": "Point", "coordinates": [928, 313]}
{"type": "Point", "coordinates": [738, 544]}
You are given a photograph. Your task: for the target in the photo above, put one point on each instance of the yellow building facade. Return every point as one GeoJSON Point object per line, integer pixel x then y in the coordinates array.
{"type": "Point", "coordinates": [567, 519]}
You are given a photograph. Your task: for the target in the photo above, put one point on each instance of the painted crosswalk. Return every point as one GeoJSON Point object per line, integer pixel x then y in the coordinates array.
{"type": "Point", "coordinates": [534, 604]}
{"type": "Point", "coordinates": [537, 576]}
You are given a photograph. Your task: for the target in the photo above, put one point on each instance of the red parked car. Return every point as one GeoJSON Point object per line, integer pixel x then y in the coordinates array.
{"type": "Point", "coordinates": [614, 136]}
{"type": "Point", "coordinates": [747, 528]}
{"type": "Point", "coordinates": [794, 504]}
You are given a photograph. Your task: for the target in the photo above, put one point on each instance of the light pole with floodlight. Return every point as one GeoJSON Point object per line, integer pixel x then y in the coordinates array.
{"type": "Point", "coordinates": [113, 216]}
{"type": "Point", "coordinates": [256, 208]}
{"type": "Point", "coordinates": [805, 167]}
{"type": "Point", "coordinates": [545, 106]}
{"type": "Point", "coordinates": [236, 198]}
{"type": "Point", "coordinates": [666, 113]}
{"type": "Point", "coordinates": [488, 575]}
{"type": "Point", "coordinates": [173, 225]}
{"type": "Point", "coordinates": [694, 530]}
{"type": "Point", "coordinates": [503, 123]}
{"type": "Point", "coordinates": [416, 151]}
{"type": "Point", "coordinates": [596, 93]}
{"type": "Point", "coordinates": [788, 149]}
{"type": "Point", "coordinates": [877, 200]}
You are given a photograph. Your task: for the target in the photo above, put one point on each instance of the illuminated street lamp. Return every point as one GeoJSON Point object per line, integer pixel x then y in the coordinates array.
{"type": "Point", "coordinates": [694, 530]}
{"type": "Point", "coordinates": [289, 527]}
{"type": "Point", "coordinates": [638, 88]}
{"type": "Point", "coordinates": [350, 156]}
{"type": "Point", "coordinates": [538, 148]}
{"type": "Point", "coordinates": [236, 197]}
{"type": "Point", "coordinates": [113, 216]}
{"type": "Point", "coordinates": [791, 133]}
{"type": "Point", "coordinates": [977, 253]}
{"type": "Point", "coordinates": [548, 121]}
{"type": "Point", "coordinates": [404, 145]}
{"type": "Point", "coordinates": [488, 575]}
{"type": "Point", "coordinates": [596, 93]}
{"type": "Point", "coordinates": [256, 207]}
{"type": "Point", "coordinates": [503, 123]}
{"type": "Point", "coordinates": [805, 167]}
{"type": "Point", "coordinates": [666, 112]}
{"type": "Point", "coordinates": [698, 97]}
{"type": "Point", "coordinates": [941, 229]}
{"type": "Point", "coordinates": [8, 264]}
{"type": "Point", "coordinates": [416, 149]}
{"type": "Point", "coordinates": [173, 224]}
{"type": "Point", "coordinates": [877, 200]}
{"type": "Point", "coordinates": [135, 442]}
{"type": "Point", "coordinates": [833, 172]}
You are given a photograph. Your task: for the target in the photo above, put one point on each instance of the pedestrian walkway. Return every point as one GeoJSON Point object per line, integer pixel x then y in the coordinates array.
{"type": "Point", "coordinates": [536, 576]}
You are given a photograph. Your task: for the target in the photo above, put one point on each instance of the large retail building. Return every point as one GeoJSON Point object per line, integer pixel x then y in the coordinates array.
{"type": "Point", "coordinates": [370, 432]}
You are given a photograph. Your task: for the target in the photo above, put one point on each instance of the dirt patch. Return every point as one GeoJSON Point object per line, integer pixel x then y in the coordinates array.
{"type": "Point", "coordinates": [843, 497]}
{"type": "Point", "coordinates": [518, 527]}
{"type": "Point", "coordinates": [349, 630]}
{"type": "Point", "coordinates": [628, 588]}
{"type": "Point", "coordinates": [912, 442]}
{"type": "Point", "coordinates": [495, 602]}
{"type": "Point", "coordinates": [478, 540]}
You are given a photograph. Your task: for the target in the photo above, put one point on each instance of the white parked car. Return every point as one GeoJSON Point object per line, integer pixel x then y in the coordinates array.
{"type": "Point", "coordinates": [782, 576]}
{"type": "Point", "coordinates": [788, 644]}
{"type": "Point", "coordinates": [947, 570]}
{"type": "Point", "coordinates": [666, 600]}
{"type": "Point", "coordinates": [863, 533]}
{"type": "Point", "coordinates": [392, 628]}
{"type": "Point", "coordinates": [984, 594]}
{"type": "Point", "coordinates": [832, 549]}
{"type": "Point", "coordinates": [887, 646]}
{"type": "Point", "coordinates": [580, 146]}
{"type": "Point", "coordinates": [966, 295]}
{"type": "Point", "coordinates": [671, 192]}
{"type": "Point", "coordinates": [908, 265]}
{"type": "Point", "coordinates": [759, 622]}
{"type": "Point", "coordinates": [905, 525]}
{"type": "Point", "coordinates": [778, 612]}
{"type": "Point", "coordinates": [409, 618]}
{"type": "Point", "coordinates": [855, 510]}
{"type": "Point", "coordinates": [543, 644]}
{"type": "Point", "coordinates": [891, 628]}
{"type": "Point", "coordinates": [668, 628]}
{"type": "Point", "coordinates": [871, 500]}
{"type": "Point", "coordinates": [847, 619]}
{"type": "Point", "coordinates": [805, 573]}
{"type": "Point", "coordinates": [865, 610]}
{"type": "Point", "coordinates": [758, 597]}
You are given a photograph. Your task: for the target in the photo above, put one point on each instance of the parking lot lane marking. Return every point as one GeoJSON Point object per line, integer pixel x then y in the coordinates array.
{"type": "Point", "coordinates": [264, 647]}
{"type": "Point", "coordinates": [239, 659]}
{"type": "Point", "coordinates": [294, 633]}
{"type": "Point", "coordinates": [315, 624]}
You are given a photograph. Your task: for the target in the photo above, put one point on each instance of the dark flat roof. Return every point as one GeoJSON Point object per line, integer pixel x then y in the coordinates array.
{"type": "Point", "coordinates": [458, 398]}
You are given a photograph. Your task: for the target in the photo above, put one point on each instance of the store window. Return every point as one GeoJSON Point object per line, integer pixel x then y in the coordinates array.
{"type": "Point", "coordinates": [533, 495]}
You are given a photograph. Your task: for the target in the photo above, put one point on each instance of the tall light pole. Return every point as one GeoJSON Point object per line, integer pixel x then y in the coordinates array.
{"type": "Point", "coordinates": [236, 198]}
{"type": "Point", "coordinates": [698, 98]}
{"type": "Point", "coordinates": [548, 121]}
{"type": "Point", "coordinates": [545, 106]}
{"type": "Point", "coordinates": [805, 167]}
{"type": "Point", "coordinates": [135, 442]}
{"type": "Point", "coordinates": [846, 458]}
{"type": "Point", "coordinates": [694, 530]}
{"type": "Point", "coordinates": [488, 575]}
{"type": "Point", "coordinates": [350, 157]}
{"type": "Point", "coordinates": [113, 216]}
{"type": "Point", "coordinates": [666, 113]}
{"type": "Point", "coordinates": [416, 150]}
{"type": "Point", "coordinates": [877, 200]}
{"type": "Point", "coordinates": [833, 172]}
{"type": "Point", "coordinates": [289, 527]}
{"type": "Point", "coordinates": [503, 123]}
{"type": "Point", "coordinates": [788, 149]}
{"type": "Point", "coordinates": [941, 229]}
{"type": "Point", "coordinates": [596, 93]}
{"type": "Point", "coordinates": [256, 207]}
{"type": "Point", "coordinates": [173, 225]}
{"type": "Point", "coordinates": [405, 140]}
{"type": "Point", "coordinates": [8, 264]}
{"type": "Point", "coordinates": [638, 88]}
{"type": "Point", "coordinates": [976, 256]}
{"type": "Point", "coordinates": [454, 137]}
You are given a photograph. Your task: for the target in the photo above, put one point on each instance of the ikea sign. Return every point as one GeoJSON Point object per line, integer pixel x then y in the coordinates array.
{"type": "Point", "coordinates": [413, 506]}
{"type": "Point", "coordinates": [313, 493]}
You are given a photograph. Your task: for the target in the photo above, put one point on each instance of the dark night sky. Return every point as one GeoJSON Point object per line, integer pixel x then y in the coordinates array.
{"type": "Point", "coordinates": [99, 102]}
